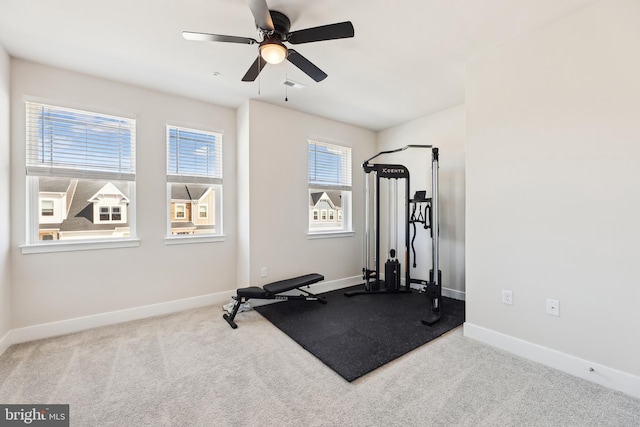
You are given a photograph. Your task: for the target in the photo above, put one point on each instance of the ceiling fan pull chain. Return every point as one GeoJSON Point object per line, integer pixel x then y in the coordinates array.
{"type": "Point", "coordinates": [286, 87]}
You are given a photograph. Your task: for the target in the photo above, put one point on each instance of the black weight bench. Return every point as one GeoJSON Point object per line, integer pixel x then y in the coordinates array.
{"type": "Point", "coordinates": [273, 290]}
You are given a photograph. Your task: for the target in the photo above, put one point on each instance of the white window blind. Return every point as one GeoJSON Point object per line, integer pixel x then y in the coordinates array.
{"type": "Point", "coordinates": [79, 144]}
{"type": "Point", "coordinates": [329, 166]}
{"type": "Point", "coordinates": [194, 156]}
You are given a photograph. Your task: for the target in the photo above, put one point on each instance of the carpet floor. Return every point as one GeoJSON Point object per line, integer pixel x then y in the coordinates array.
{"type": "Point", "coordinates": [192, 369]}
{"type": "Point", "coordinates": [356, 335]}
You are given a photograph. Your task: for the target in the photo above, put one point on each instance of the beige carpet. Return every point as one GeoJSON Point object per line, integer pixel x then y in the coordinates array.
{"type": "Point", "coordinates": [192, 369]}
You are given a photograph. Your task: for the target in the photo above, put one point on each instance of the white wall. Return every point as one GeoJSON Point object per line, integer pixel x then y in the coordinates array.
{"type": "Point", "coordinates": [445, 130]}
{"type": "Point", "coordinates": [276, 169]}
{"type": "Point", "coordinates": [56, 286]}
{"type": "Point", "coordinates": [265, 225]}
{"type": "Point", "coordinates": [244, 201]}
{"type": "Point", "coordinates": [553, 186]}
{"type": "Point", "coordinates": [5, 228]}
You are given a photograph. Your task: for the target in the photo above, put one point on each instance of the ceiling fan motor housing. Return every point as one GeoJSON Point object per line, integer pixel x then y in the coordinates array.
{"type": "Point", "coordinates": [281, 23]}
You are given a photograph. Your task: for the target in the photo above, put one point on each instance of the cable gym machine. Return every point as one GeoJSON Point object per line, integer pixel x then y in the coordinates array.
{"type": "Point", "coordinates": [419, 210]}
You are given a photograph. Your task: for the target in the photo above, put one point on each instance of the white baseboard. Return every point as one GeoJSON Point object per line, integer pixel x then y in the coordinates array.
{"type": "Point", "coordinates": [5, 342]}
{"type": "Point", "coordinates": [48, 330]}
{"type": "Point", "coordinates": [334, 285]}
{"type": "Point", "coordinates": [78, 324]}
{"type": "Point", "coordinates": [454, 294]}
{"type": "Point", "coordinates": [446, 292]}
{"type": "Point", "coordinates": [599, 374]}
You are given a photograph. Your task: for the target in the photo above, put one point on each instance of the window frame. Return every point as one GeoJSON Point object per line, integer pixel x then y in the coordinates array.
{"type": "Point", "coordinates": [342, 184]}
{"type": "Point", "coordinates": [214, 181]}
{"type": "Point", "coordinates": [33, 244]}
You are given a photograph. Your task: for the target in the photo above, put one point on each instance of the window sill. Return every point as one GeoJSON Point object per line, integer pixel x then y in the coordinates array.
{"type": "Point", "coordinates": [185, 240]}
{"type": "Point", "coordinates": [330, 234]}
{"type": "Point", "coordinates": [68, 246]}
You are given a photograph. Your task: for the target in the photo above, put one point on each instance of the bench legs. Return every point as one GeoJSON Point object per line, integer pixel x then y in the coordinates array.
{"type": "Point", "coordinates": [229, 317]}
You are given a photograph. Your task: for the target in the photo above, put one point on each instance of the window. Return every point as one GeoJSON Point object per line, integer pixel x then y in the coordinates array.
{"type": "Point", "coordinates": [46, 207]}
{"type": "Point", "coordinates": [115, 213]}
{"type": "Point", "coordinates": [105, 214]}
{"type": "Point", "coordinates": [179, 212]}
{"type": "Point", "coordinates": [194, 182]}
{"type": "Point", "coordinates": [110, 214]}
{"type": "Point", "coordinates": [81, 174]}
{"type": "Point", "coordinates": [203, 211]}
{"type": "Point", "coordinates": [329, 187]}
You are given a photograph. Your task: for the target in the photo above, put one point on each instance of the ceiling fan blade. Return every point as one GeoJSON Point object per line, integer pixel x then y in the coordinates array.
{"type": "Point", "coordinates": [206, 37]}
{"type": "Point", "coordinates": [306, 66]}
{"type": "Point", "coordinates": [254, 70]}
{"type": "Point", "coordinates": [260, 11]}
{"type": "Point", "coordinates": [341, 30]}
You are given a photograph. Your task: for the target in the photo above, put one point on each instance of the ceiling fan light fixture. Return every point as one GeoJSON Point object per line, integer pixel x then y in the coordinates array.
{"type": "Point", "coordinates": [273, 52]}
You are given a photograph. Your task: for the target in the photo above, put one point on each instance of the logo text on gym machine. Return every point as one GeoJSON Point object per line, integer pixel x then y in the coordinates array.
{"type": "Point", "coordinates": [388, 170]}
{"type": "Point", "coordinates": [392, 171]}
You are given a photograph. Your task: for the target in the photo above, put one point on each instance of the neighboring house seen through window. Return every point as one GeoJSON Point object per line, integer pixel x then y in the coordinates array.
{"type": "Point", "coordinates": [81, 174]}
{"type": "Point", "coordinates": [329, 187]}
{"type": "Point", "coordinates": [194, 182]}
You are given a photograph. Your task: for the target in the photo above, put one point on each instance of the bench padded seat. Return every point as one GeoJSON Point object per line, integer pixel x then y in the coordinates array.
{"type": "Point", "coordinates": [252, 292]}
{"type": "Point", "coordinates": [289, 284]}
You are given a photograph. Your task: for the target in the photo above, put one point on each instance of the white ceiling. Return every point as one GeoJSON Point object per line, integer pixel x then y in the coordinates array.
{"type": "Point", "coordinates": [407, 58]}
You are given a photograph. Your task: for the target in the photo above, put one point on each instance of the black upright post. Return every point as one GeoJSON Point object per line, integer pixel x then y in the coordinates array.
{"type": "Point", "coordinates": [434, 287]}
{"type": "Point", "coordinates": [407, 257]}
{"type": "Point", "coordinates": [376, 285]}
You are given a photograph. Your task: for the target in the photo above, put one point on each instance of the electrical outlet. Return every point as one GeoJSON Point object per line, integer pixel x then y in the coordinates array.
{"type": "Point", "coordinates": [553, 307]}
{"type": "Point", "coordinates": [263, 272]}
{"type": "Point", "coordinates": [507, 297]}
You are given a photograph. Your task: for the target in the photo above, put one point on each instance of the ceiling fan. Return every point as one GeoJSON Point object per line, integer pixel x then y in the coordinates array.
{"type": "Point", "coordinates": [273, 30]}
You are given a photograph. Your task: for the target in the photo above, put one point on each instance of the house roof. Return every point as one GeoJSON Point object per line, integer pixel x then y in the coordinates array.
{"type": "Point", "coordinates": [191, 192]}
{"type": "Point", "coordinates": [334, 195]}
{"type": "Point", "coordinates": [80, 215]}
{"type": "Point", "coordinates": [107, 190]}
{"type": "Point", "coordinates": [54, 185]}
